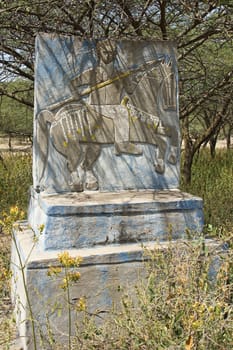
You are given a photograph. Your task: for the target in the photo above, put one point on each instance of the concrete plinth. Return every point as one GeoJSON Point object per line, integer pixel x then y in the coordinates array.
{"type": "Point", "coordinates": [108, 230]}
{"type": "Point", "coordinates": [77, 220]}
{"type": "Point", "coordinates": [103, 271]}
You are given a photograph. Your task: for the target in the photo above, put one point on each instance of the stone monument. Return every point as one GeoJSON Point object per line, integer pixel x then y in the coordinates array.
{"type": "Point", "coordinates": [106, 160]}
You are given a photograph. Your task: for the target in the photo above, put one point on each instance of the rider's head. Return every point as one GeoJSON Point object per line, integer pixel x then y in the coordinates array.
{"type": "Point", "coordinates": [106, 50]}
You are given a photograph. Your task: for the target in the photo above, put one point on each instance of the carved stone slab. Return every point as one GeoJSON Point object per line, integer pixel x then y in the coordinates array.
{"type": "Point", "coordinates": [106, 115]}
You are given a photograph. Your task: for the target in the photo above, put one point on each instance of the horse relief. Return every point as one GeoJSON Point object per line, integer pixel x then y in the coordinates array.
{"type": "Point", "coordinates": [107, 106]}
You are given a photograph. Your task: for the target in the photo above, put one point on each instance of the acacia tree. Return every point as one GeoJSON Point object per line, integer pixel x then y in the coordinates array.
{"type": "Point", "coordinates": [202, 29]}
{"type": "Point", "coordinates": [228, 128]}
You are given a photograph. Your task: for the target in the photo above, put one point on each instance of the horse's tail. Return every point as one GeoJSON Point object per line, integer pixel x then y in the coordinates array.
{"type": "Point", "coordinates": [167, 99]}
{"type": "Point", "coordinates": [41, 143]}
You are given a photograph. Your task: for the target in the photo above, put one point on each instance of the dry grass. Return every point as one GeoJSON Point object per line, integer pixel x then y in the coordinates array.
{"type": "Point", "coordinates": [7, 325]}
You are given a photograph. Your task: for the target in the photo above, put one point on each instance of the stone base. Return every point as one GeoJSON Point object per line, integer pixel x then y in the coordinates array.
{"type": "Point", "coordinates": [105, 272]}
{"type": "Point", "coordinates": [79, 220]}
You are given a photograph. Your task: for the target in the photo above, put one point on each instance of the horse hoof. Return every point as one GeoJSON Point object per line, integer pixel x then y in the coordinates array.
{"type": "Point", "coordinates": [92, 186]}
{"type": "Point", "coordinates": [159, 166]}
{"type": "Point", "coordinates": [78, 187]}
{"type": "Point", "coordinates": [91, 182]}
{"type": "Point", "coordinates": [172, 157]}
{"type": "Point", "coordinates": [75, 183]}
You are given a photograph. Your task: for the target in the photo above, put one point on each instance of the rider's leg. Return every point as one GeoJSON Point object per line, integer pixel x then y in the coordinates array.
{"type": "Point", "coordinates": [122, 137]}
{"type": "Point", "coordinates": [159, 163]}
{"type": "Point", "coordinates": [120, 117]}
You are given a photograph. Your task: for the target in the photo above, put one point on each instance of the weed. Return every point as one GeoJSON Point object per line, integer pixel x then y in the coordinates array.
{"type": "Point", "coordinates": [177, 307]}
{"type": "Point", "coordinates": [71, 276]}
{"type": "Point", "coordinates": [212, 181]}
{"type": "Point", "coordinates": [15, 181]}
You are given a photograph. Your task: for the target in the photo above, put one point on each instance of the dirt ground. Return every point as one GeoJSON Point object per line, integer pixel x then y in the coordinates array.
{"type": "Point", "coordinates": [25, 144]}
{"type": "Point", "coordinates": [15, 144]}
{"type": "Point", "coordinates": [8, 335]}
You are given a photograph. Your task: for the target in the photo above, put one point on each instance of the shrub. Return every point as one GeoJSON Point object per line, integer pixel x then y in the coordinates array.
{"type": "Point", "coordinates": [212, 181]}
{"type": "Point", "coordinates": [15, 180]}
{"type": "Point", "coordinates": [183, 304]}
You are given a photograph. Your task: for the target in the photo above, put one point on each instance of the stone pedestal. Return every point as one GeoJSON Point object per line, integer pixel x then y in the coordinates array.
{"type": "Point", "coordinates": [109, 231]}
{"type": "Point", "coordinates": [79, 220]}
{"type": "Point", "coordinates": [106, 157]}
{"type": "Point", "coordinates": [105, 271]}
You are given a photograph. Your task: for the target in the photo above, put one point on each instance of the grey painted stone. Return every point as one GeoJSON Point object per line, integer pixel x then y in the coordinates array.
{"type": "Point", "coordinates": [106, 157]}
{"type": "Point", "coordinates": [104, 272]}
{"type": "Point", "coordinates": [106, 115]}
{"type": "Point", "coordinates": [93, 218]}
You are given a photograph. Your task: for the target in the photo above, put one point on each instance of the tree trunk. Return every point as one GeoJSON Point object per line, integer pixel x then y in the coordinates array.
{"type": "Point", "coordinates": [228, 137]}
{"type": "Point", "coordinates": [213, 142]}
{"type": "Point", "coordinates": [188, 154]}
{"type": "Point", "coordinates": [187, 166]}
{"type": "Point", "coordinates": [9, 143]}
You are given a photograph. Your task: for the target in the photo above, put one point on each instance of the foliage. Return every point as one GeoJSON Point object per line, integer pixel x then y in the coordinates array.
{"type": "Point", "coordinates": [176, 306]}
{"type": "Point", "coordinates": [15, 179]}
{"type": "Point", "coordinates": [182, 304]}
{"type": "Point", "coordinates": [15, 117]}
{"type": "Point", "coordinates": [212, 181]}
{"type": "Point", "coordinates": [202, 30]}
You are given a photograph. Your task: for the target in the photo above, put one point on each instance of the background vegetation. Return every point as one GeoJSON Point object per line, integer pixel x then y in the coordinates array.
{"type": "Point", "coordinates": [202, 30]}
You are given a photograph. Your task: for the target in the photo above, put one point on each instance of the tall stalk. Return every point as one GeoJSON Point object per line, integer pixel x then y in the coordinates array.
{"type": "Point", "coordinates": [22, 268]}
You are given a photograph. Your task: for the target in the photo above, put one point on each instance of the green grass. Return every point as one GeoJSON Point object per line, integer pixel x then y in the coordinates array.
{"type": "Point", "coordinates": [212, 180]}
{"type": "Point", "coordinates": [176, 307]}
{"type": "Point", "coordinates": [15, 180]}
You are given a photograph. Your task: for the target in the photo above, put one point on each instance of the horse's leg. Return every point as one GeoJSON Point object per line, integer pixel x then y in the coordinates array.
{"type": "Point", "coordinates": [74, 154]}
{"type": "Point", "coordinates": [41, 146]}
{"type": "Point", "coordinates": [72, 151]}
{"type": "Point", "coordinates": [160, 160]}
{"type": "Point", "coordinates": [92, 152]}
{"type": "Point", "coordinates": [173, 150]}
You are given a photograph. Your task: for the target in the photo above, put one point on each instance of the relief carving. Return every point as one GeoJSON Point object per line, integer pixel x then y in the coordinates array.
{"type": "Point", "coordinates": [112, 106]}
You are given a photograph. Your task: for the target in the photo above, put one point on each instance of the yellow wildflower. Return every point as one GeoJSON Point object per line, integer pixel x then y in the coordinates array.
{"type": "Point", "coordinates": [67, 261]}
{"type": "Point", "coordinates": [73, 276]}
{"type": "Point", "coordinates": [41, 228]}
{"type": "Point", "coordinates": [65, 283]}
{"type": "Point", "coordinates": [53, 270]}
{"type": "Point", "coordinates": [81, 304]}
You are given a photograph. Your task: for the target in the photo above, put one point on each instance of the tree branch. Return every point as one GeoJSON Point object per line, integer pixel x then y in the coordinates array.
{"type": "Point", "coordinates": [190, 109]}
{"type": "Point", "coordinates": [218, 121]}
{"type": "Point", "coordinates": [16, 98]}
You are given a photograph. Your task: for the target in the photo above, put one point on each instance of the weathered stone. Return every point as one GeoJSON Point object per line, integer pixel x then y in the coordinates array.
{"type": "Point", "coordinates": [106, 273]}
{"type": "Point", "coordinates": [107, 108]}
{"type": "Point", "coordinates": [106, 157]}
{"type": "Point", "coordinates": [89, 218]}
